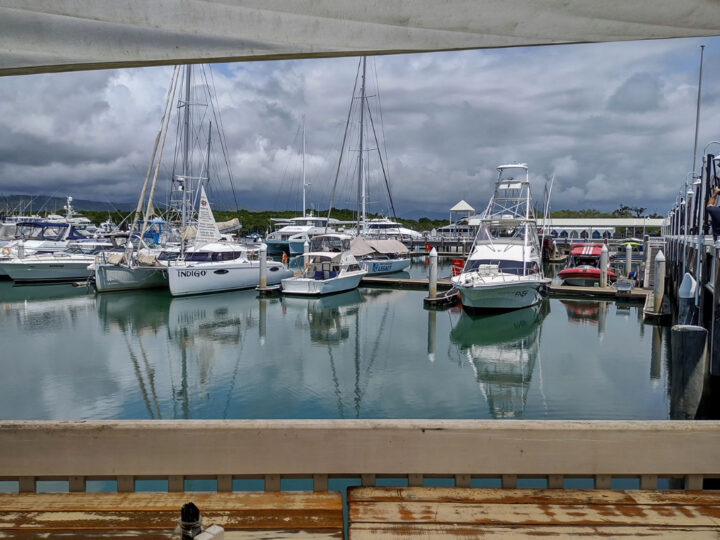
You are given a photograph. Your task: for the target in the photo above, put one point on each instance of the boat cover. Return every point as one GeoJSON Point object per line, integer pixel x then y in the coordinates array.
{"type": "Point", "coordinates": [360, 247]}
{"type": "Point", "coordinates": [388, 246]}
{"type": "Point", "coordinates": [587, 249]}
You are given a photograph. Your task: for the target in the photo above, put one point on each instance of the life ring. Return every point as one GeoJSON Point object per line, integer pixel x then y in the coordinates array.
{"type": "Point", "coordinates": [284, 258]}
{"type": "Point", "coordinates": [6, 251]}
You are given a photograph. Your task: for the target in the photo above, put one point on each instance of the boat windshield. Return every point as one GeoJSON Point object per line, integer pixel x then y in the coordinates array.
{"type": "Point", "coordinates": [505, 266]}
{"type": "Point", "coordinates": [330, 243]}
{"type": "Point", "coordinates": [212, 256]}
{"type": "Point", "coordinates": [39, 232]}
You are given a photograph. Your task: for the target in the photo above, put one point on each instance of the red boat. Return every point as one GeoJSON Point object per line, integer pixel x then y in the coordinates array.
{"type": "Point", "coordinates": [583, 266]}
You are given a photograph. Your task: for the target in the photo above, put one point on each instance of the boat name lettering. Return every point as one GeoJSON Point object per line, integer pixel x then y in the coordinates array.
{"type": "Point", "coordinates": [381, 267]}
{"type": "Point", "coordinates": [520, 293]}
{"type": "Point", "coordinates": [191, 273]}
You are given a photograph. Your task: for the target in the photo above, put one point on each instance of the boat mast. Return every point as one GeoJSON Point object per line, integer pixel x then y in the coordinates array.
{"type": "Point", "coordinates": [361, 179]}
{"type": "Point", "coordinates": [186, 145]}
{"type": "Point", "coordinates": [303, 167]}
{"type": "Point", "coordinates": [207, 166]}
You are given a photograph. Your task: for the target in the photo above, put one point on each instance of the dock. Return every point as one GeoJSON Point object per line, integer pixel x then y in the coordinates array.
{"type": "Point", "coordinates": [552, 455]}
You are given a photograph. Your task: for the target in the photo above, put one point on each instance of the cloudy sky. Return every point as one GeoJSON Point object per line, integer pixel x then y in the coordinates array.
{"type": "Point", "coordinates": [613, 122]}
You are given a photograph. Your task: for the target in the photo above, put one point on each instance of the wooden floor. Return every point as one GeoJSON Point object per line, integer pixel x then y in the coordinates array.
{"type": "Point", "coordinates": [298, 515]}
{"type": "Point", "coordinates": [384, 513]}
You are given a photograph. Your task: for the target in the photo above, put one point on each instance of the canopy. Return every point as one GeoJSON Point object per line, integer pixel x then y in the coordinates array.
{"type": "Point", "coordinates": [462, 206]}
{"type": "Point", "coordinates": [359, 247]}
{"type": "Point", "coordinates": [64, 35]}
{"type": "Point", "coordinates": [387, 247]}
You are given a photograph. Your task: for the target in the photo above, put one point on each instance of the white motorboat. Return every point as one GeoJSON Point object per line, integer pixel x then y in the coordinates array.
{"type": "Point", "coordinates": [504, 268]}
{"type": "Point", "coordinates": [380, 256]}
{"type": "Point", "coordinates": [384, 228]}
{"type": "Point", "coordinates": [73, 264]}
{"type": "Point", "coordinates": [291, 238]}
{"type": "Point", "coordinates": [214, 266]}
{"type": "Point", "coordinates": [331, 268]}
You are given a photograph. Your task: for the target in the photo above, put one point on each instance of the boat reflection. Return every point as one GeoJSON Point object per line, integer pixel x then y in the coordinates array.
{"type": "Point", "coordinates": [326, 317]}
{"type": "Point", "coordinates": [502, 351]}
{"type": "Point", "coordinates": [33, 308]}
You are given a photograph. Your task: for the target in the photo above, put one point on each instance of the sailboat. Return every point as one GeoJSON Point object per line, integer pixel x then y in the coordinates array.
{"type": "Point", "coordinates": [213, 265]}
{"type": "Point", "coordinates": [378, 253]}
{"type": "Point", "coordinates": [504, 268]}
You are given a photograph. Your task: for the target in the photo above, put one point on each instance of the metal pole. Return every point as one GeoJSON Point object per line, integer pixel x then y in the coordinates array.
{"type": "Point", "coordinates": [303, 168]}
{"type": "Point", "coordinates": [697, 111]}
{"type": "Point", "coordinates": [263, 266]}
{"type": "Point", "coordinates": [688, 207]}
{"type": "Point", "coordinates": [361, 185]}
{"type": "Point", "coordinates": [659, 284]}
{"type": "Point", "coordinates": [628, 259]}
{"type": "Point", "coordinates": [603, 266]}
{"type": "Point", "coordinates": [432, 286]}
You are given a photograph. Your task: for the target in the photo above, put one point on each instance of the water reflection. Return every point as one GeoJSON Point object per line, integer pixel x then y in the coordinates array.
{"type": "Point", "coordinates": [502, 350]}
{"type": "Point", "coordinates": [367, 353]}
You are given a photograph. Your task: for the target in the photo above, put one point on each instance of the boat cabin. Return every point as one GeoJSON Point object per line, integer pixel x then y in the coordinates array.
{"type": "Point", "coordinates": [46, 231]}
{"type": "Point", "coordinates": [333, 243]}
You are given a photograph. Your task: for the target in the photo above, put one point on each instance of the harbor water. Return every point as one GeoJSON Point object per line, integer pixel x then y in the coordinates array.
{"type": "Point", "coordinates": [370, 353]}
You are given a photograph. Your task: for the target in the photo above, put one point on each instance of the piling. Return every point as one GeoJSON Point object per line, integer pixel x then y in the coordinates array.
{"type": "Point", "coordinates": [689, 351]}
{"type": "Point", "coordinates": [659, 282]}
{"type": "Point", "coordinates": [432, 290]}
{"type": "Point", "coordinates": [21, 250]}
{"type": "Point", "coordinates": [306, 256]}
{"type": "Point", "coordinates": [603, 266]}
{"type": "Point", "coordinates": [628, 259]}
{"type": "Point", "coordinates": [263, 266]}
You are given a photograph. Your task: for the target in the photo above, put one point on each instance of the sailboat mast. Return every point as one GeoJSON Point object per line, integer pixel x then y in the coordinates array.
{"type": "Point", "coordinates": [303, 168]}
{"type": "Point", "coordinates": [207, 165]}
{"type": "Point", "coordinates": [186, 146]}
{"type": "Point", "coordinates": [361, 179]}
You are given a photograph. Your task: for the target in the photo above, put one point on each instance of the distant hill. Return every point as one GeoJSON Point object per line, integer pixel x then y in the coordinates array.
{"type": "Point", "coordinates": [27, 204]}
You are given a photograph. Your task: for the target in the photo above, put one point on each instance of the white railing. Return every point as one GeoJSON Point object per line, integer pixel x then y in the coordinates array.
{"type": "Point", "coordinates": [125, 451]}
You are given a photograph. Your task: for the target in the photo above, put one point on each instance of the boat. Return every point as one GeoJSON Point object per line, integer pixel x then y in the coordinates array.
{"type": "Point", "coordinates": [291, 238]}
{"type": "Point", "coordinates": [331, 268]}
{"type": "Point", "coordinates": [385, 228]}
{"type": "Point", "coordinates": [380, 256]}
{"type": "Point", "coordinates": [72, 264]}
{"type": "Point", "coordinates": [504, 268]}
{"type": "Point", "coordinates": [583, 266]}
{"type": "Point", "coordinates": [213, 266]}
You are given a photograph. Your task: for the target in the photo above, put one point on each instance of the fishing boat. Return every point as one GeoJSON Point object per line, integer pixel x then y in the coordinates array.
{"type": "Point", "coordinates": [331, 268]}
{"type": "Point", "coordinates": [504, 268]}
{"type": "Point", "coordinates": [212, 265]}
{"type": "Point", "coordinates": [583, 266]}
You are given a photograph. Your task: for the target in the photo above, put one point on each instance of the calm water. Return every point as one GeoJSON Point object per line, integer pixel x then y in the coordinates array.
{"type": "Point", "coordinates": [369, 353]}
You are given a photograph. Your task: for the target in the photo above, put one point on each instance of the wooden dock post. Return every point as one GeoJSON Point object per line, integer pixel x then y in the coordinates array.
{"type": "Point", "coordinates": [432, 291]}
{"type": "Point", "coordinates": [689, 351]}
{"type": "Point", "coordinates": [263, 266]}
{"type": "Point", "coordinates": [603, 266]}
{"type": "Point", "coordinates": [659, 282]}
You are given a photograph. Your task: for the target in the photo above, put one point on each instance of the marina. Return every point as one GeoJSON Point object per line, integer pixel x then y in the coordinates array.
{"type": "Point", "coordinates": [361, 367]}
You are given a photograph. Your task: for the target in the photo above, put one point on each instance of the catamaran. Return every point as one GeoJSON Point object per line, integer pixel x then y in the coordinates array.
{"type": "Point", "coordinates": [212, 265]}
{"type": "Point", "coordinates": [504, 268]}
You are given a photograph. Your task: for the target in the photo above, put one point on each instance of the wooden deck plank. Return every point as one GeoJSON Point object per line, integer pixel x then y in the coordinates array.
{"type": "Point", "coordinates": [94, 514]}
{"type": "Point", "coordinates": [165, 535]}
{"type": "Point", "coordinates": [369, 531]}
{"type": "Point", "coordinates": [522, 496]}
{"type": "Point", "coordinates": [516, 513]}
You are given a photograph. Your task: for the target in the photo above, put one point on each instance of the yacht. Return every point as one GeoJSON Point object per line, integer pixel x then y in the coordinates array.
{"type": "Point", "coordinates": [331, 268]}
{"type": "Point", "coordinates": [504, 268]}
{"type": "Point", "coordinates": [72, 264]}
{"type": "Point", "coordinates": [291, 238]}
{"type": "Point", "coordinates": [384, 228]}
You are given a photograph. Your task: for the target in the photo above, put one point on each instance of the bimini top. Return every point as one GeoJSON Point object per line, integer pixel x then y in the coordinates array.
{"type": "Point", "coordinates": [593, 250]}
{"type": "Point", "coordinates": [513, 166]}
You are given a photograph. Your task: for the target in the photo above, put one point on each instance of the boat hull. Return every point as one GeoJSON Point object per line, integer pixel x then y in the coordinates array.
{"type": "Point", "coordinates": [209, 278]}
{"type": "Point", "coordinates": [318, 287]}
{"type": "Point", "coordinates": [503, 296]}
{"type": "Point", "coordinates": [384, 266]}
{"type": "Point", "coordinates": [583, 277]}
{"type": "Point", "coordinates": [111, 277]}
{"type": "Point", "coordinates": [49, 272]}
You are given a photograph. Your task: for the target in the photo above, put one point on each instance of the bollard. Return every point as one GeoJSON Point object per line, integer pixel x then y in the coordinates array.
{"type": "Point", "coordinates": [603, 266]}
{"type": "Point", "coordinates": [628, 259]}
{"type": "Point", "coordinates": [659, 283]}
{"type": "Point", "coordinates": [306, 251]}
{"type": "Point", "coordinates": [263, 266]}
{"type": "Point", "coordinates": [688, 365]}
{"type": "Point", "coordinates": [432, 286]}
